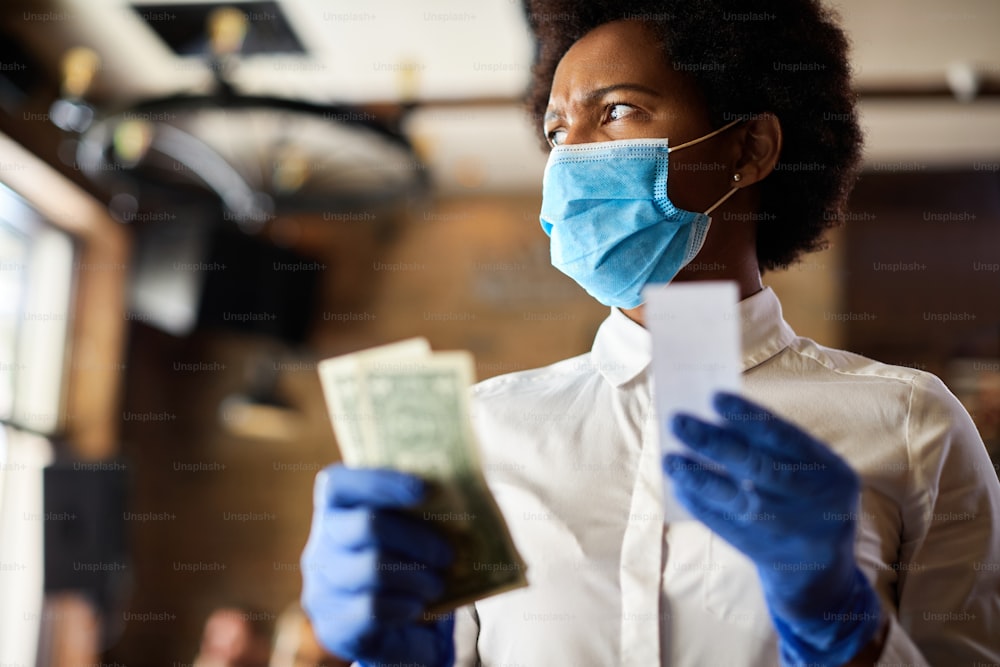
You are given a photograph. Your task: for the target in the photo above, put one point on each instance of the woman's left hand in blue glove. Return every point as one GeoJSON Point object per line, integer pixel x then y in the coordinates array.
{"type": "Point", "coordinates": [790, 505]}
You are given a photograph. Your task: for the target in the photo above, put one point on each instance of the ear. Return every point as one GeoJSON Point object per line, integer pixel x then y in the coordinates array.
{"type": "Point", "coordinates": [760, 148]}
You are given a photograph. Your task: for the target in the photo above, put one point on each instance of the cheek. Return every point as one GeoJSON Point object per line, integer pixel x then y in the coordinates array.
{"type": "Point", "coordinates": [695, 185]}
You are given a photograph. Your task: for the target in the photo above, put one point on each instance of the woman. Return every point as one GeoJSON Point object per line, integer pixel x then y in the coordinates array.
{"type": "Point", "coordinates": [847, 516]}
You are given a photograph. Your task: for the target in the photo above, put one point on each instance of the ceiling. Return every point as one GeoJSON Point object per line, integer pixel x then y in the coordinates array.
{"type": "Point", "coordinates": [355, 51]}
{"type": "Point", "coordinates": [467, 62]}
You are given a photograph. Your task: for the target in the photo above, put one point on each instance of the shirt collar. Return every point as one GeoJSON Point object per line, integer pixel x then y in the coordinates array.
{"type": "Point", "coordinates": [623, 349]}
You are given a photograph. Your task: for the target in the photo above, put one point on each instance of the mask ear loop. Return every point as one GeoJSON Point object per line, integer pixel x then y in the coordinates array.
{"type": "Point", "coordinates": [707, 136]}
{"type": "Point", "coordinates": [721, 201]}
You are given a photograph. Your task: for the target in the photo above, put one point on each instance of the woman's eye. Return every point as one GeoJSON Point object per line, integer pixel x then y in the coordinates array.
{"type": "Point", "coordinates": [555, 137]}
{"type": "Point", "coordinates": [619, 111]}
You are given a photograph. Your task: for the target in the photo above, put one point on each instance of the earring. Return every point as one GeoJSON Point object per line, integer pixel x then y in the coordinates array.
{"type": "Point", "coordinates": [737, 177]}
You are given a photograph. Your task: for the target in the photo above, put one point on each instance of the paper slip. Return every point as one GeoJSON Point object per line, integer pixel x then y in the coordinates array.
{"type": "Point", "coordinates": [695, 329]}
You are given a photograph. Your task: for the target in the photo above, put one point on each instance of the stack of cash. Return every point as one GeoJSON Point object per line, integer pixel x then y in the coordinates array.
{"type": "Point", "coordinates": [404, 407]}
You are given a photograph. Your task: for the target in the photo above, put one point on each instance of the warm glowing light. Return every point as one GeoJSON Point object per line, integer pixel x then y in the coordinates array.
{"type": "Point", "coordinates": [79, 65]}
{"type": "Point", "coordinates": [227, 27]}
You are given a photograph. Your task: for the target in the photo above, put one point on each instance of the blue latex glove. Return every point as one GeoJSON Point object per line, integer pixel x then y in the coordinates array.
{"type": "Point", "coordinates": [368, 570]}
{"type": "Point", "coordinates": [789, 504]}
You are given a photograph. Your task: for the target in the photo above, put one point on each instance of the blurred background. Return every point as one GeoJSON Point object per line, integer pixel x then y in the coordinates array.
{"type": "Point", "coordinates": [199, 201]}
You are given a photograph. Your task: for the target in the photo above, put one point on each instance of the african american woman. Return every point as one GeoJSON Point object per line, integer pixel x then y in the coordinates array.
{"type": "Point", "coordinates": [846, 509]}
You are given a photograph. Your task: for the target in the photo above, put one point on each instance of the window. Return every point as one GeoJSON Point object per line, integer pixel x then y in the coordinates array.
{"type": "Point", "coordinates": [36, 285]}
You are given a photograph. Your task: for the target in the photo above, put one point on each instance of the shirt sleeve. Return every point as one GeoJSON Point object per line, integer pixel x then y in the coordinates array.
{"type": "Point", "coordinates": [466, 636]}
{"type": "Point", "coordinates": [949, 555]}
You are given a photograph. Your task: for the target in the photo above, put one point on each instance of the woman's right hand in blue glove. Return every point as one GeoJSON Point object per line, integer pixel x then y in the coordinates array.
{"type": "Point", "coordinates": [369, 571]}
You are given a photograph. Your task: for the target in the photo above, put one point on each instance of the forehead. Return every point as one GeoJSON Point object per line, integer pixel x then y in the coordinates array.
{"type": "Point", "coordinates": [616, 51]}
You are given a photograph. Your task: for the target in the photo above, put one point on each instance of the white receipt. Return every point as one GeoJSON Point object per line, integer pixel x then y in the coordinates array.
{"type": "Point", "coordinates": [696, 352]}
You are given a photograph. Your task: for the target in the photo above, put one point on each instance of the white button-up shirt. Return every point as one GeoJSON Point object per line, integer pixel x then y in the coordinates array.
{"type": "Point", "coordinates": [572, 455]}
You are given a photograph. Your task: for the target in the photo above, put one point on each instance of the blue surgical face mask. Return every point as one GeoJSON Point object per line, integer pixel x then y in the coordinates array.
{"type": "Point", "coordinates": [613, 228]}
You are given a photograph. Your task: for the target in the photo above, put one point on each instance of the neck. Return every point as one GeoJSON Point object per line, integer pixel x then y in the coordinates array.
{"type": "Point", "coordinates": [748, 287]}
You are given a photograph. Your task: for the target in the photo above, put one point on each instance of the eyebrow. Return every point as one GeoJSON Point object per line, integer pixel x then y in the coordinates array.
{"type": "Point", "coordinates": [598, 93]}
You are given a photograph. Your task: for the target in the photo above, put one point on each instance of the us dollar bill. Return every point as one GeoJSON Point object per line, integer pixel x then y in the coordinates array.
{"type": "Point", "coordinates": [339, 378]}
{"type": "Point", "coordinates": [408, 409]}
